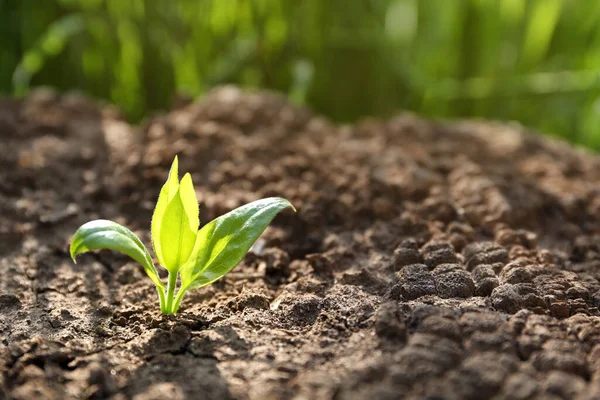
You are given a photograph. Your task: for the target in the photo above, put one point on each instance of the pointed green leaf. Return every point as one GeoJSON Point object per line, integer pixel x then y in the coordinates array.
{"type": "Point", "coordinates": [167, 193]}
{"type": "Point", "coordinates": [173, 179]}
{"type": "Point", "coordinates": [222, 243]}
{"type": "Point", "coordinates": [176, 237]}
{"type": "Point", "coordinates": [190, 201]}
{"type": "Point", "coordinates": [103, 234]}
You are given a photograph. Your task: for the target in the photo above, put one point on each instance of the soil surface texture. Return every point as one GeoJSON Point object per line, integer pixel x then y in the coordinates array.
{"type": "Point", "coordinates": [426, 260]}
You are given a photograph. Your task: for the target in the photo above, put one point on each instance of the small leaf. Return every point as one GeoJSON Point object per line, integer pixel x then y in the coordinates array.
{"type": "Point", "coordinates": [167, 193]}
{"type": "Point", "coordinates": [190, 201]}
{"type": "Point", "coordinates": [176, 236]}
{"type": "Point", "coordinates": [222, 243]}
{"type": "Point", "coordinates": [103, 234]}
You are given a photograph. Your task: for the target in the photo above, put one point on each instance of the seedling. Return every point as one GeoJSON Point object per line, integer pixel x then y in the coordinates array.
{"type": "Point", "coordinates": [197, 257]}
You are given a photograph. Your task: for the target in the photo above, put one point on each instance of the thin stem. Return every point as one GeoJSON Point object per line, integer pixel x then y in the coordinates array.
{"type": "Point", "coordinates": [161, 297]}
{"type": "Point", "coordinates": [178, 299]}
{"type": "Point", "coordinates": [171, 292]}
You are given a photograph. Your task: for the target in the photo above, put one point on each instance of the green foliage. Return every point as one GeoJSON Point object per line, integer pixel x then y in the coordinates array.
{"type": "Point", "coordinates": [533, 61]}
{"type": "Point", "coordinates": [222, 243]}
{"type": "Point", "coordinates": [175, 221]}
{"type": "Point", "coordinates": [103, 234]}
{"type": "Point", "coordinates": [199, 257]}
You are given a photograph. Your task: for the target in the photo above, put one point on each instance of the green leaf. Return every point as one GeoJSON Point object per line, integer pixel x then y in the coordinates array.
{"type": "Point", "coordinates": [103, 234]}
{"type": "Point", "coordinates": [190, 201]}
{"type": "Point", "coordinates": [176, 235]}
{"type": "Point", "coordinates": [222, 243]}
{"type": "Point", "coordinates": [167, 193]}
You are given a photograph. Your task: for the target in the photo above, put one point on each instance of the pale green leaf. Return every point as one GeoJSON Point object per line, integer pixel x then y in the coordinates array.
{"type": "Point", "coordinates": [222, 243]}
{"type": "Point", "coordinates": [167, 193]}
{"type": "Point", "coordinates": [173, 179]}
{"type": "Point", "coordinates": [190, 201]}
{"type": "Point", "coordinates": [176, 237]}
{"type": "Point", "coordinates": [103, 234]}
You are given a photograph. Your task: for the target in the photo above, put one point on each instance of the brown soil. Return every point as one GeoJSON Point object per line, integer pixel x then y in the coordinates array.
{"type": "Point", "coordinates": [426, 260]}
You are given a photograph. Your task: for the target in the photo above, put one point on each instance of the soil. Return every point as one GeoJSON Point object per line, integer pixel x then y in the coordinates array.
{"type": "Point", "coordinates": [426, 260]}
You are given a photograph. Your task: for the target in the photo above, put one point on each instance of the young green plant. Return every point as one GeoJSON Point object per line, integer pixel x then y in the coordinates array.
{"type": "Point", "coordinates": [197, 257]}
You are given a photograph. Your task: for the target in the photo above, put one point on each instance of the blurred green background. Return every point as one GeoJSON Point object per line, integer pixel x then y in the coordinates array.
{"type": "Point", "coordinates": [536, 61]}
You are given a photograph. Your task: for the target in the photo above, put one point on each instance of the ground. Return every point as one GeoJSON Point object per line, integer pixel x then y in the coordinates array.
{"type": "Point", "coordinates": [426, 260]}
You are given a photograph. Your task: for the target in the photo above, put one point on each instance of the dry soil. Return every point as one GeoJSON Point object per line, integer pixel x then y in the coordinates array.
{"type": "Point", "coordinates": [427, 259]}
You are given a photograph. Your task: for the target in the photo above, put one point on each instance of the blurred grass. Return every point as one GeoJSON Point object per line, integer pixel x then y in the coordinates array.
{"type": "Point", "coordinates": [533, 61]}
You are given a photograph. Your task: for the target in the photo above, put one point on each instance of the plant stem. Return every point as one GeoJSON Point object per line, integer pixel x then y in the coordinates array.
{"type": "Point", "coordinates": [161, 297]}
{"type": "Point", "coordinates": [180, 294]}
{"type": "Point", "coordinates": [171, 292]}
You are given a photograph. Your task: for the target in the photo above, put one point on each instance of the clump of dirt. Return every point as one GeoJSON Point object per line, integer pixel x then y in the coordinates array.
{"type": "Point", "coordinates": [426, 260]}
